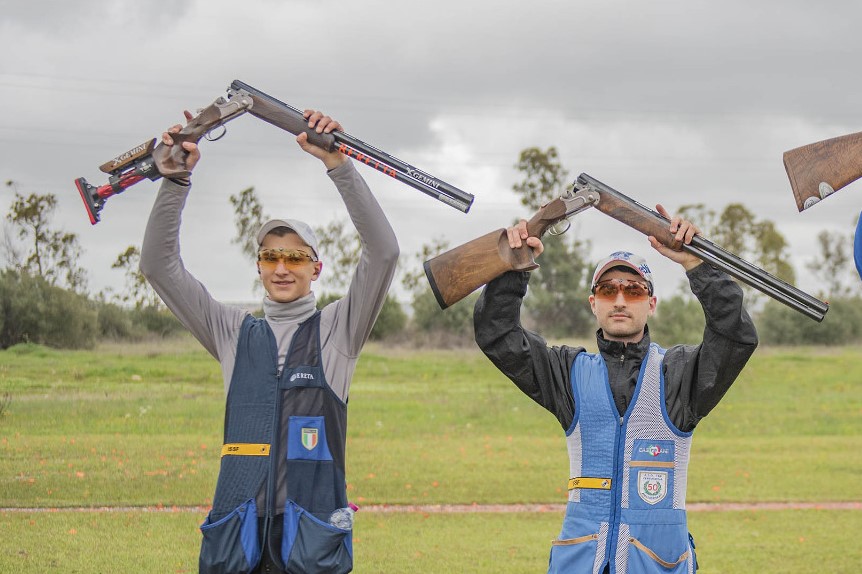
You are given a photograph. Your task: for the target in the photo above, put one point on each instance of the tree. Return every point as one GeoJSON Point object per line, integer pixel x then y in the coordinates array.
{"type": "Point", "coordinates": [702, 216]}
{"type": "Point", "coordinates": [137, 289]}
{"type": "Point", "coordinates": [248, 217]}
{"type": "Point", "coordinates": [440, 328]}
{"type": "Point", "coordinates": [778, 324]}
{"type": "Point", "coordinates": [46, 253]}
{"type": "Point", "coordinates": [771, 249]}
{"type": "Point", "coordinates": [834, 265]}
{"type": "Point", "coordinates": [34, 311]}
{"type": "Point", "coordinates": [737, 230]}
{"type": "Point", "coordinates": [558, 299]}
{"type": "Point", "coordinates": [340, 250]}
{"type": "Point", "coordinates": [557, 302]}
{"type": "Point", "coordinates": [543, 176]}
{"type": "Point", "coordinates": [678, 319]}
{"type": "Point", "coordinates": [391, 320]}
{"type": "Point", "coordinates": [415, 280]}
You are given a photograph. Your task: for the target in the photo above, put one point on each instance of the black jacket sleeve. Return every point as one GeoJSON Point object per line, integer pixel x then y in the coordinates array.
{"type": "Point", "coordinates": [698, 376]}
{"type": "Point", "coordinates": [541, 372]}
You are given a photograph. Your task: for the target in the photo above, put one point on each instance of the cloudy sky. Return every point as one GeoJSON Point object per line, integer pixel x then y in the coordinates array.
{"type": "Point", "coordinates": [673, 102]}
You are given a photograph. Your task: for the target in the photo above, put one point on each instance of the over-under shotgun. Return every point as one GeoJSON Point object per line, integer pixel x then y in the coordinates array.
{"type": "Point", "coordinates": [460, 271]}
{"type": "Point", "coordinates": [151, 161]}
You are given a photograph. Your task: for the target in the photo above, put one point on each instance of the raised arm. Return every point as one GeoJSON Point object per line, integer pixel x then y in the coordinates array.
{"type": "Point", "coordinates": [541, 372]}
{"type": "Point", "coordinates": [700, 375]}
{"type": "Point", "coordinates": [213, 324]}
{"type": "Point", "coordinates": [352, 317]}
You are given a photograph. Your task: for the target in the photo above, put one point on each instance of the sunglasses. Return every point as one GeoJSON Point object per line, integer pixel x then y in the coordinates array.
{"type": "Point", "coordinates": [632, 290]}
{"type": "Point", "coordinates": [290, 258]}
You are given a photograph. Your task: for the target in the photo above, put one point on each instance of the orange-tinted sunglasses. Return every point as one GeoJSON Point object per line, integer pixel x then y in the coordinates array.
{"type": "Point", "coordinates": [633, 291]}
{"type": "Point", "coordinates": [290, 258]}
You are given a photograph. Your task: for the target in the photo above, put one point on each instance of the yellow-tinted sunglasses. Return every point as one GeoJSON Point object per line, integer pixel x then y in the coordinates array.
{"type": "Point", "coordinates": [291, 258]}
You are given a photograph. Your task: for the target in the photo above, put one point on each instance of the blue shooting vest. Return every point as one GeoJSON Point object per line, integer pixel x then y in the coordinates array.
{"type": "Point", "coordinates": [288, 425]}
{"type": "Point", "coordinates": [626, 507]}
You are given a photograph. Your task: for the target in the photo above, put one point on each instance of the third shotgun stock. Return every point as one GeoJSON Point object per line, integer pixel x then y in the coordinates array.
{"type": "Point", "coordinates": [457, 273]}
{"type": "Point", "coordinates": [818, 170]}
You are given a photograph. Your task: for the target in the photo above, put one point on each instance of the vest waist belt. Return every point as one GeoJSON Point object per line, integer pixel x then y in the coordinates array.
{"type": "Point", "coordinates": [245, 449]}
{"type": "Point", "coordinates": [589, 482]}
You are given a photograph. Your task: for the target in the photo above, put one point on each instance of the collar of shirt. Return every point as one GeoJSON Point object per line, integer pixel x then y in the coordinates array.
{"type": "Point", "coordinates": [292, 312]}
{"type": "Point", "coordinates": [617, 349]}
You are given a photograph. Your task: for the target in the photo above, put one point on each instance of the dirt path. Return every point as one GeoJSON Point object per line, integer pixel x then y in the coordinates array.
{"type": "Point", "coordinates": [487, 508]}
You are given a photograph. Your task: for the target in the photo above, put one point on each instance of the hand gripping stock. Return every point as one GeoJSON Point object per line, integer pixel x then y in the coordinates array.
{"type": "Point", "coordinates": [460, 271]}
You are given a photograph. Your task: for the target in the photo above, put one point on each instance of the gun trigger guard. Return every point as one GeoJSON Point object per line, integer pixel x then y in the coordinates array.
{"type": "Point", "coordinates": [560, 227]}
{"type": "Point", "coordinates": [209, 137]}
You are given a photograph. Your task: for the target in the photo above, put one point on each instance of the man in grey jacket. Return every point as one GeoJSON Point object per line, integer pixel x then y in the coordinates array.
{"type": "Point", "coordinates": [286, 376]}
{"type": "Point", "coordinates": [628, 412]}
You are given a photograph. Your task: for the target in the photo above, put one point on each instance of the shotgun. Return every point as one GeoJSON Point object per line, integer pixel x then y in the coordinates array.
{"type": "Point", "coordinates": [458, 272]}
{"type": "Point", "coordinates": [151, 161]}
{"type": "Point", "coordinates": [818, 170]}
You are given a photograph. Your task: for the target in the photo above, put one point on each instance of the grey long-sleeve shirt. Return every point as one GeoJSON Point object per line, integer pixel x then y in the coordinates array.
{"type": "Point", "coordinates": [696, 376]}
{"type": "Point", "coordinates": [345, 324]}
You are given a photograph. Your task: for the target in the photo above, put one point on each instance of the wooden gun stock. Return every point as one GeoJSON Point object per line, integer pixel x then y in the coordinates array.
{"type": "Point", "coordinates": [820, 169]}
{"type": "Point", "coordinates": [460, 271]}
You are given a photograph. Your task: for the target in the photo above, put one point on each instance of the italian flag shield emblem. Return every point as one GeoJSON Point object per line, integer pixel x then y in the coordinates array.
{"type": "Point", "coordinates": [309, 438]}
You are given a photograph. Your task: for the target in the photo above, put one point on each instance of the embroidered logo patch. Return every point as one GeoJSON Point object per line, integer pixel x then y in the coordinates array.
{"type": "Point", "coordinates": [652, 486]}
{"type": "Point", "coordinates": [655, 450]}
{"type": "Point", "coordinates": [309, 438]}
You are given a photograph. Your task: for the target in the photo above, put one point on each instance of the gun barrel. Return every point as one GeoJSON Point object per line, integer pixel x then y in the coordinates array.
{"type": "Point", "coordinates": [289, 118]}
{"type": "Point", "coordinates": [649, 221]}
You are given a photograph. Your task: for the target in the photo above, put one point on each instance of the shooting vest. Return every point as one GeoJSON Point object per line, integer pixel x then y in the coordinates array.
{"type": "Point", "coordinates": [626, 508]}
{"type": "Point", "coordinates": [287, 424]}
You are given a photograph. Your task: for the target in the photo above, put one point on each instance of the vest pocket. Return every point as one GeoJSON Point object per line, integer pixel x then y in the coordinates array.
{"type": "Point", "coordinates": [231, 545]}
{"type": "Point", "coordinates": [659, 549]}
{"type": "Point", "coordinates": [306, 439]}
{"type": "Point", "coordinates": [311, 545]}
{"type": "Point", "coordinates": [574, 554]}
{"type": "Point", "coordinates": [313, 480]}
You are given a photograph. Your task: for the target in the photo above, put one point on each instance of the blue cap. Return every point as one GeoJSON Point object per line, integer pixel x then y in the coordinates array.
{"type": "Point", "coordinates": [623, 259]}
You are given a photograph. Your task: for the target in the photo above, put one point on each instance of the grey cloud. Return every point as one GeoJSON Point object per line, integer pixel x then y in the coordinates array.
{"type": "Point", "coordinates": [675, 101]}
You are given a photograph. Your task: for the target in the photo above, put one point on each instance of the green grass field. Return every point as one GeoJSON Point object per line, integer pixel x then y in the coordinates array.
{"type": "Point", "coordinates": [141, 426]}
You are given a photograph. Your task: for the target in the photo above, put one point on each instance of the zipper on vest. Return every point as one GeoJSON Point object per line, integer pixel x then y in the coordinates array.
{"type": "Point", "coordinates": [274, 452]}
{"type": "Point", "coordinates": [615, 494]}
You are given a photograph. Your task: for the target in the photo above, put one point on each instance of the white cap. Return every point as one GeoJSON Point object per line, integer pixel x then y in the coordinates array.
{"type": "Point", "coordinates": [624, 259]}
{"type": "Point", "coordinates": [300, 228]}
